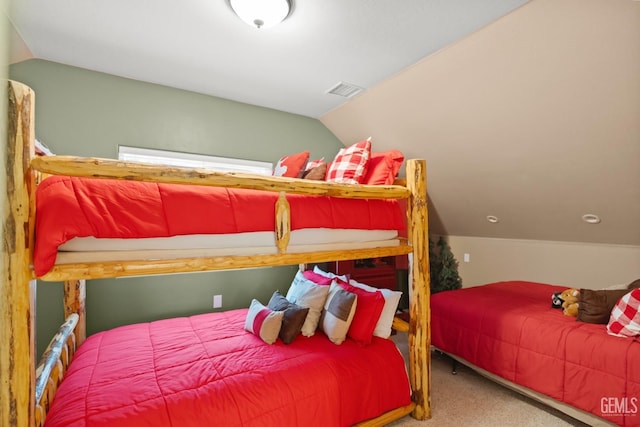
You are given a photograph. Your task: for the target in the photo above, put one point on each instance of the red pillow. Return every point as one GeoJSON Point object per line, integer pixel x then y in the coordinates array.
{"type": "Point", "coordinates": [316, 278]}
{"type": "Point", "coordinates": [383, 168]}
{"type": "Point", "coordinates": [368, 310]}
{"type": "Point", "coordinates": [292, 166]}
{"type": "Point", "coordinates": [350, 164]}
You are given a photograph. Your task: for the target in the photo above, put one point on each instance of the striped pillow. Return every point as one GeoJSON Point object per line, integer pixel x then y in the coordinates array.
{"type": "Point", "coordinates": [263, 322]}
{"type": "Point", "coordinates": [625, 316]}
{"type": "Point", "coordinates": [350, 164]}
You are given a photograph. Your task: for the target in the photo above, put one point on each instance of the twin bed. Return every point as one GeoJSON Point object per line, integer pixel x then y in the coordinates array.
{"type": "Point", "coordinates": [509, 332]}
{"type": "Point", "coordinates": [206, 369]}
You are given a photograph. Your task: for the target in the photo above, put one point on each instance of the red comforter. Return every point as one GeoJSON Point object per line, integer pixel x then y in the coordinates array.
{"type": "Point", "coordinates": [510, 329]}
{"type": "Point", "coordinates": [79, 207]}
{"type": "Point", "coordinates": [206, 370]}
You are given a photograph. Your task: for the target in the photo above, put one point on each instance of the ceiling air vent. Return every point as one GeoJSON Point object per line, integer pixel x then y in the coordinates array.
{"type": "Point", "coordinates": [346, 90]}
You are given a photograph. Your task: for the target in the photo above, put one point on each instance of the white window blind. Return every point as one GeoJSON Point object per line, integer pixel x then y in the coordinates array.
{"type": "Point", "coordinates": [201, 161]}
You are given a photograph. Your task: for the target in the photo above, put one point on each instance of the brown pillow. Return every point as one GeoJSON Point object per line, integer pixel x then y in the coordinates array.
{"type": "Point", "coordinates": [317, 173]}
{"type": "Point", "coordinates": [594, 306]}
{"type": "Point", "coordinates": [294, 316]}
{"type": "Point", "coordinates": [633, 285]}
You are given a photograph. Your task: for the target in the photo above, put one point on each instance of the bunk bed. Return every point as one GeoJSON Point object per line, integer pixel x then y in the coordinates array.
{"type": "Point", "coordinates": [27, 390]}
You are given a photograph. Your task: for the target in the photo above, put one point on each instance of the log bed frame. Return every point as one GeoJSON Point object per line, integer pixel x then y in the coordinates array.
{"type": "Point", "coordinates": [26, 390]}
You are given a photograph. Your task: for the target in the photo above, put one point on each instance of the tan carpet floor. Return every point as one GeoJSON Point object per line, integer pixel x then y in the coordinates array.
{"type": "Point", "coordinates": [469, 399]}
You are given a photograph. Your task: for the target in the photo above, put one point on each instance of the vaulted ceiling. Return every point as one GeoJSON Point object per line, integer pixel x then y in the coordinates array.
{"type": "Point", "coordinates": [526, 111]}
{"type": "Point", "coordinates": [202, 46]}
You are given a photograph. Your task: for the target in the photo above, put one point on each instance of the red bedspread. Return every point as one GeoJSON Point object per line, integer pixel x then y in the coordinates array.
{"type": "Point", "coordinates": [206, 370]}
{"type": "Point", "coordinates": [510, 329]}
{"type": "Point", "coordinates": [79, 207]}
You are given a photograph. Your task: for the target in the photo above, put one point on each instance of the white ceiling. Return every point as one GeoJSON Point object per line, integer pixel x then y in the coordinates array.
{"type": "Point", "coordinates": [201, 46]}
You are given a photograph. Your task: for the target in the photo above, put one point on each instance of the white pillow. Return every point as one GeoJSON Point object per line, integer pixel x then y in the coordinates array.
{"type": "Point", "coordinates": [329, 274]}
{"type": "Point", "coordinates": [306, 293]}
{"type": "Point", "coordinates": [263, 322]}
{"type": "Point", "coordinates": [391, 301]}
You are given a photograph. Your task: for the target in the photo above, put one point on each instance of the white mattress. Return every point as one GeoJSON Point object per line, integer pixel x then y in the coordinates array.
{"type": "Point", "coordinates": [91, 249]}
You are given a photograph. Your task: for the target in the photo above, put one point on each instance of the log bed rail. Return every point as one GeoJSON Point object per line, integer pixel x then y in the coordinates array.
{"type": "Point", "coordinates": [53, 364]}
{"type": "Point", "coordinates": [17, 334]}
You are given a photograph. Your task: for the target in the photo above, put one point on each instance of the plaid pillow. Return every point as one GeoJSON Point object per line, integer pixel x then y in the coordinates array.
{"type": "Point", "coordinates": [625, 316]}
{"type": "Point", "coordinates": [350, 164]}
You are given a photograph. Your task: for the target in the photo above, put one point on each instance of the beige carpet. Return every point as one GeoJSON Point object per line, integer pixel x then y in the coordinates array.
{"type": "Point", "coordinates": [469, 399]}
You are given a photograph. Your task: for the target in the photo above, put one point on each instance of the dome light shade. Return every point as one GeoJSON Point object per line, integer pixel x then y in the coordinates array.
{"type": "Point", "coordinates": [261, 13]}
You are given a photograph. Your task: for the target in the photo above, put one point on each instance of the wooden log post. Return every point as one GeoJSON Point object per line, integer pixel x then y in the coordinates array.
{"type": "Point", "coordinates": [419, 292]}
{"type": "Point", "coordinates": [117, 169]}
{"type": "Point", "coordinates": [17, 287]}
{"type": "Point", "coordinates": [52, 367]}
{"type": "Point", "coordinates": [74, 303]}
{"type": "Point", "coordinates": [283, 223]}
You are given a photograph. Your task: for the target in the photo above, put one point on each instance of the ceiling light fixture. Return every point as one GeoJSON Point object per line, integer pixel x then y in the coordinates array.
{"type": "Point", "coordinates": [261, 13]}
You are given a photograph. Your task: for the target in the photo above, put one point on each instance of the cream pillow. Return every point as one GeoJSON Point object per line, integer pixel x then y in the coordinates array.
{"type": "Point", "coordinates": [306, 293]}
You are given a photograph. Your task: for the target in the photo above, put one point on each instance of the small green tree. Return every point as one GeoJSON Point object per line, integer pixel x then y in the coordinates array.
{"type": "Point", "coordinates": [434, 265]}
{"type": "Point", "coordinates": [443, 267]}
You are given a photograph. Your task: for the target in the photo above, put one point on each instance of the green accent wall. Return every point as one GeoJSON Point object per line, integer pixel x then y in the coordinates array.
{"type": "Point", "coordinates": [86, 113]}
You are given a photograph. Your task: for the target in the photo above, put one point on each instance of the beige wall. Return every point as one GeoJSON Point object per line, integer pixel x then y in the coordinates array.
{"type": "Point", "coordinates": [534, 119]}
{"type": "Point", "coordinates": [578, 265]}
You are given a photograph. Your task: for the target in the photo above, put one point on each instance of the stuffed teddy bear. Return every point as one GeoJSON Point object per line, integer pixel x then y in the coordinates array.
{"type": "Point", "coordinates": [570, 301]}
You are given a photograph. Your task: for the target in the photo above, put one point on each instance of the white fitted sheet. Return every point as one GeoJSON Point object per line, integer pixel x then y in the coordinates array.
{"type": "Point", "coordinates": [91, 249]}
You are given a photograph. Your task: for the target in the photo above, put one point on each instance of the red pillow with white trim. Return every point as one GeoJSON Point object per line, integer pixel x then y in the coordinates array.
{"type": "Point", "coordinates": [383, 168]}
{"type": "Point", "coordinates": [350, 164]}
{"type": "Point", "coordinates": [368, 311]}
{"type": "Point", "coordinates": [292, 166]}
{"type": "Point", "coordinates": [625, 316]}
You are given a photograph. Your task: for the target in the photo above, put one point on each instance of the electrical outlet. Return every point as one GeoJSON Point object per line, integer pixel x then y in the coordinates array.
{"type": "Point", "coordinates": [217, 301]}
{"type": "Point", "coordinates": [467, 258]}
